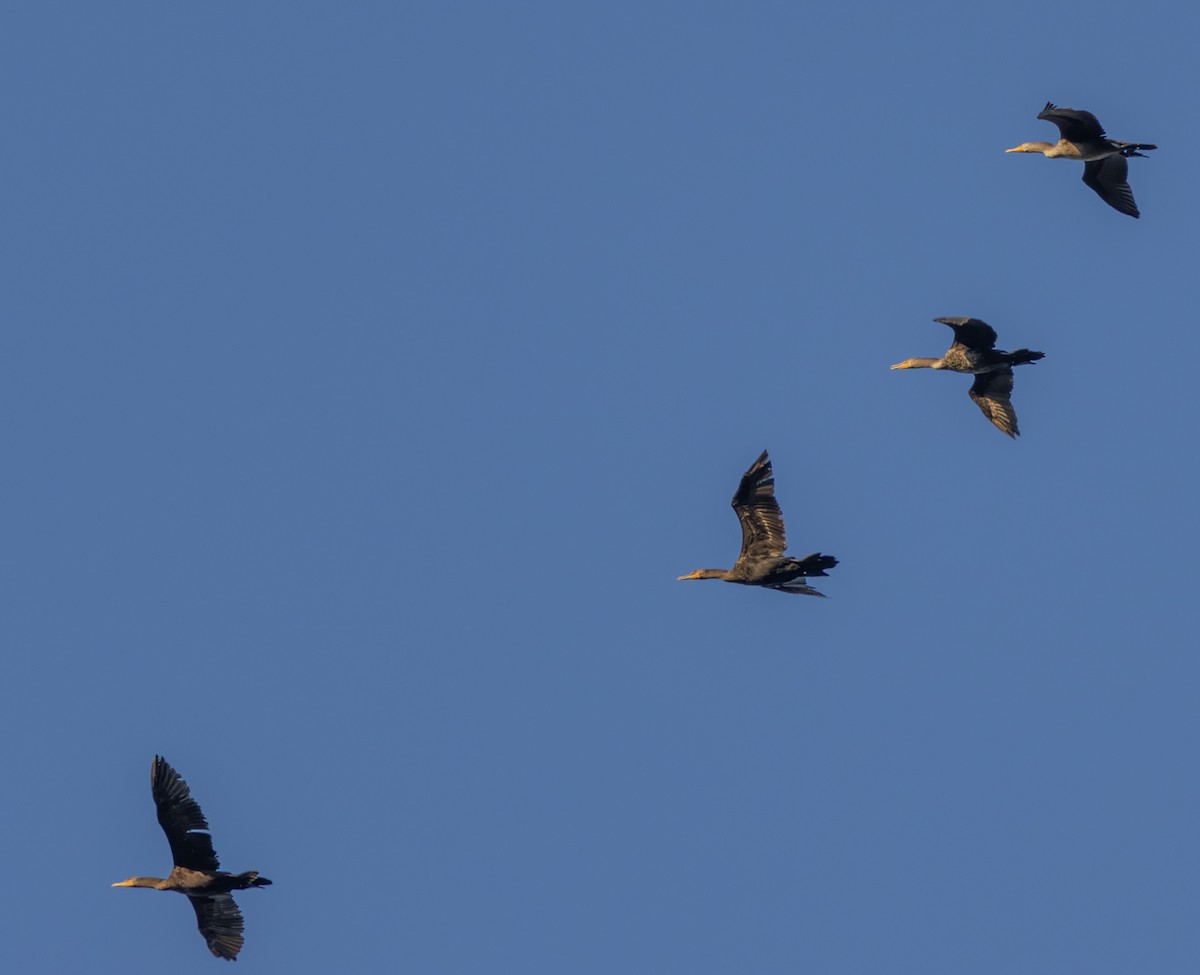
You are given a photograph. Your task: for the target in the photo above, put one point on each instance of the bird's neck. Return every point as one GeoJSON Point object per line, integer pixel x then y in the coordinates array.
{"type": "Point", "coordinates": [1046, 149]}
{"type": "Point", "coordinates": [156, 882]}
{"type": "Point", "coordinates": [920, 364]}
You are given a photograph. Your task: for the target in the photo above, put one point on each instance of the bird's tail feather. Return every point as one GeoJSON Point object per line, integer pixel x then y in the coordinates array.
{"type": "Point", "coordinates": [1023, 356]}
{"type": "Point", "coordinates": [251, 879]}
{"type": "Point", "coordinates": [816, 564]}
{"type": "Point", "coordinates": [1131, 148]}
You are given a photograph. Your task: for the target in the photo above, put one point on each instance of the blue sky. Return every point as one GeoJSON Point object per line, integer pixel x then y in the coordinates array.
{"type": "Point", "coordinates": [370, 373]}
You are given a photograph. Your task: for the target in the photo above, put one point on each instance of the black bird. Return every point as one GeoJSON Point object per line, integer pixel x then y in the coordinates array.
{"type": "Point", "coordinates": [197, 873]}
{"type": "Point", "coordinates": [762, 562]}
{"type": "Point", "coordinates": [973, 352]}
{"type": "Point", "coordinates": [1104, 167]}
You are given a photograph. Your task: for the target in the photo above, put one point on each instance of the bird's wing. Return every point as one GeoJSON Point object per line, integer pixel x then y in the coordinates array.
{"type": "Point", "coordinates": [758, 511]}
{"type": "Point", "coordinates": [1107, 177]}
{"type": "Point", "coordinates": [971, 333]}
{"type": "Point", "coordinates": [220, 921]}
{"type": "Point", "coordinates": [991, 392]}
{"type": "Point", "coordinates": [1074, 124]}
{"type": "Point", "coordinates": [179, 815]}
{"type": "Point", "coordinates": [796, 586]}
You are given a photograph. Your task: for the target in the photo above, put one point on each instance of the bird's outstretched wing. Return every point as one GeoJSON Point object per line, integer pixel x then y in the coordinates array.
{"type": "Point", "coordinates": [179, 815]}
{"type": "Point", "coordinates": [1075, 125]}
{"type": "Point", "coordinates": [991, 392]}
{"type": "Point", "coordinates": [1109, 178]}
{"type": "Point", "coordinates": [971, 333]}
{"type": "Point", "coordinates": [220, 921]}
{"type": "Point", "coordinates": [758, 511]}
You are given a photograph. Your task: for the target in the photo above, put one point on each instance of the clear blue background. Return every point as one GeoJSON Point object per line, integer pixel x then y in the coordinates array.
{"type": "Point", "coordinates": [370, 371]}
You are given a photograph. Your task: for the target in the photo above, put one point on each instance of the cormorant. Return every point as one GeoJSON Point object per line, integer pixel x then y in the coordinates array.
{"type": "Point", "coordinates": [762, 562]}
{"type": "Point", "coordinates": [196, 873]}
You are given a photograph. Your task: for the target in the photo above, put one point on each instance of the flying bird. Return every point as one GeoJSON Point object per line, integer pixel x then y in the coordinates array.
{"type": "Point", "coordinates": [1104, 167]}
{"type": "Point", "coordinates": [197, 872]}
{"type": "Point", "coordinates": [762, 562]}
{"type": "Point", "coordinates": [973, 352]}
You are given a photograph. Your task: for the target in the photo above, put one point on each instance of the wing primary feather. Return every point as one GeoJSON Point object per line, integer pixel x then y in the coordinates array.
{"type": "Point", "coordinates": [181, 819]}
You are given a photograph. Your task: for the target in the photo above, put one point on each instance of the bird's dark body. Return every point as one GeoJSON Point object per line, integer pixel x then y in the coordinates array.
{"type": "Point", "coordinates": [202, 881]}
{"type": "Point", "coordinates": [780, 572]}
